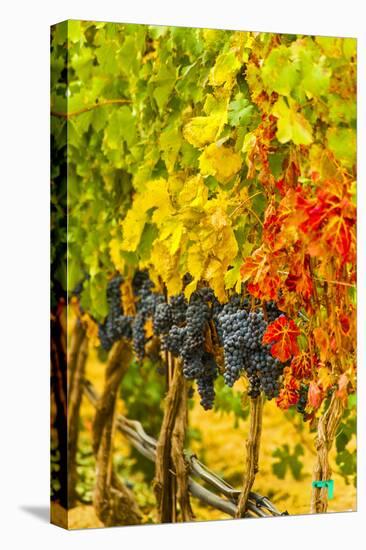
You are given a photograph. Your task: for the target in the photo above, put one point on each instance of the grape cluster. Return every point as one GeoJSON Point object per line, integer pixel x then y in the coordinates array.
{"type": "Point", "coordinates": [173, 341]}
{"type": "Point", "coordinates": [182, 325]}
{"type": "Point", "coordinates": [116, 325]}
{"type": "Point", "coordinates": [185, 338]}
{"type": "Point", "coordinates": [272, 312]}
{"type": "Point", "coordinates": [241, 333]}
{"type": "Point", "coordinates": [178, 306]}
{"type": "Point", "coordinates": [162, 319]}
{"type": "Point", "coordinates": [206, 379]}
{"type": "Point", "coordinates": [303, 399]}
{"type": "Point", "coordinates": [147, 302]}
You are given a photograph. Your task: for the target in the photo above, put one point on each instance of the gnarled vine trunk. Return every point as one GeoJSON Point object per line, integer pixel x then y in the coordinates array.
{"type": "Point", "coordinates": [252, 453]}
{"type": "Point", "coordinates": [78, 358]}
{"type": "Point", "coordinates": [113, 502]}
{"type": "Point", "coordinates": [327, 428]}
{"type": "Point", "coordinates": [171, 473]}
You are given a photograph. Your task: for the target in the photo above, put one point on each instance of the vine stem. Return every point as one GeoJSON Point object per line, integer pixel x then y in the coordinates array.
{"type": "Point", "coordinates": [327, 428]}
{"type": "Point", "coordinates": [73, 410]}
{"type": "Point", "coordinates": [91, 108]}
{"type": "Point", "coordinates": [114, 503]}
{"type": "Point", "coordinates": [252, 453]}
{"type": "Point", "coordinates": [171, 472]}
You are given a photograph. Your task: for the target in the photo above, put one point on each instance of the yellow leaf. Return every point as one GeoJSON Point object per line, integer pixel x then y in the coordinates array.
{"type": "Point", "coordinates": [155, 197]}
{"type": "Point", "coordinates": [221, 162]}
{"type": "Point", "coordinates": [203, 129]}
{"type": "Point", "coordinates": [194, 193]}
{"type": "Point", "coordinates": [165, 265]}
{"type": "Point", "coordinates": [232, 276]}
{"type": "Point", "coordinates": [133, 226]}
{"type": "Point", "coordinates": [190, 288]}
{"type": "Point", "coordinates": [226, 247]}
{"type": "Point", "coordinates": [171, 233]}
{"type": "Point", "coordinates": [115, 253]}
{"type": "Point", "coordinates": [175, 183]}
{"type": "Point", "coordinates": [217, 104]}
{"type": "Point", "coordinates": [225, 69]}
{"type": "Point", "coordinates": [195, 261]}
{"type": "Point", "coordinates": [218, 218]}
{"type": "Point", "coordinates": [325, 377]}
{"type": "Point", "coordinates": [291, 124]}
{"type": "Point", "coordinates": [176, 238]}
{"type": "Point", "coordinates": [214, 276]}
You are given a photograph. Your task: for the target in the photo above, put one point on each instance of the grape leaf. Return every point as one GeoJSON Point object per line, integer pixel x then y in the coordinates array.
{"type": "Point", "coordinates": [282, 334]}
{"type": "Point", "coordinates": [291, 124]}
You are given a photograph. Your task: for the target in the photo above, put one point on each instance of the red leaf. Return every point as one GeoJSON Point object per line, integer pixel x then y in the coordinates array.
{"type": "Point", "coordinates": [342, 391]}
{"type": "Point", "coordinates": [264, 283]}
{"type": "Point", "coordinates": [322, 341]}
{"type": "Point", "coordinates": [301, 365]}
{"type": "Point", "coordinates": [280, 184]}
{"type": "Point", "coordinates": [345, 323]}
{"type": "Point", "coordinates": [315, 395]}
{"type": "Point", "coordinates": [330, 218]}
{"type": "Point", "coordinates": [282, 333]}
{"type": "Point", "coordinates": [289, 394]}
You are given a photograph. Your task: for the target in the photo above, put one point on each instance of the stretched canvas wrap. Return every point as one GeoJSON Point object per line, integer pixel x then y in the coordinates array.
{"type": "Point", "coordinates": [203, 314]}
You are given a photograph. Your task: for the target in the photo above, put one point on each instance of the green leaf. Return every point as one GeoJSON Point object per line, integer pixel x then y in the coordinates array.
{"type": "Point", "coordinates": [232, 276]}
{"type": "Point", "coordinates": [170, 142]}
{"type": "Point", "coordinates": [107, 57]}
{"type": "Point", "coordinates": [74, 272]}
{"type": "Point", "coordinates": [341, 110]}
{"type": "Point", "coordinates": [60, 33]}
{"type": "Point", "coordinates": [75, 31]}
{"type": "Point", "coordinates": [121, 127]}
{"type": "Point", "coordinates": [240, 112]}
{"type": "Point", "coordinates": [342, 143]}
{"type": "Point", "coordinates": [148, 236]}
{"type": "Point", "coordinates": [279, 73]}
{"type": "Point", "coordinates": [128, 56]}
{"type": "Point", "coordinates": [164, 82]}
{"type": "Point", "coordinates": [276, 163]}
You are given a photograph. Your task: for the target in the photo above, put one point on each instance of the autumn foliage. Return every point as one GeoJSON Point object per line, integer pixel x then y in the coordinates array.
{"type": "Point", "coordinates": [227, 156]}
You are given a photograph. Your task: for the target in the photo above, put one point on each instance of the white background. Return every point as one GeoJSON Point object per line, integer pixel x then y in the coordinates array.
{"type": "Point", "coordinates": [24, 272]}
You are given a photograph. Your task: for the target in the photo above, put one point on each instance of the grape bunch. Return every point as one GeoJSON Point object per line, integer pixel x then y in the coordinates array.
{"type": "Point", "coordinates": [206, 379]}
{"type": "Point", "coordinates": [303, 399]}
{"type": "Point", "coordinates": [162, 320]}
{"type": "Point", "coordinates": [116, 325]}
{"type": "Point", "coordinates": [147, 303]}
{"type": "Point", "coordinates": [197, 315]}
{"type": "Point", "coordinates": [182, 325]}
{"type": "Point", "coordinates": [241, 334]}
{"type": "Point", "coordinates": [272, 312]}
{"type": "Point", "coordinates": [186, 339]}
{"type": "Point", "coordinates": [173, 341]}
{"type": "Point", "coordinates": [178, 307]}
